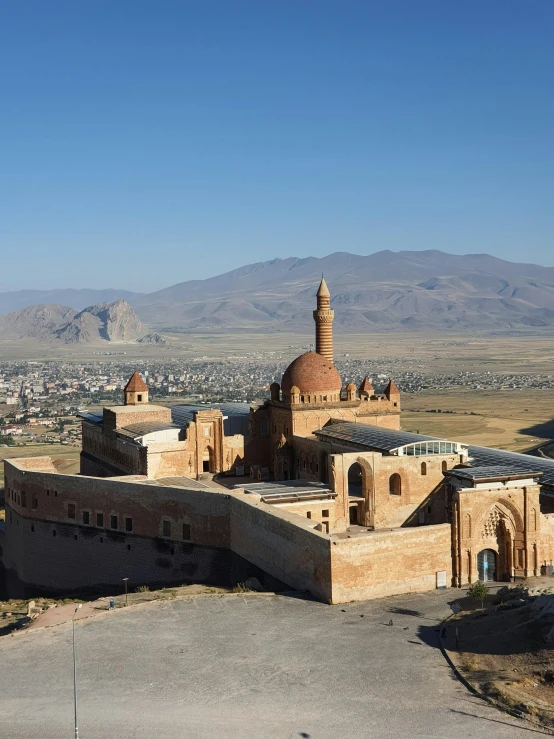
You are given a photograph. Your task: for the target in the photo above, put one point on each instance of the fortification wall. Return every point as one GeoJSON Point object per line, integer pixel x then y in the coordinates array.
{"type": "Point", "coordinates": [390, 562]}
{"type": "Point", "coordinates": [46, 557]}
{"type": "Point", "coordinates": [283, 544]}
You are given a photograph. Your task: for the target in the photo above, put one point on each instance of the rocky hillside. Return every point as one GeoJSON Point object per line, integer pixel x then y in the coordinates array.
{"type": "Point", "coordinates": [115, 321]}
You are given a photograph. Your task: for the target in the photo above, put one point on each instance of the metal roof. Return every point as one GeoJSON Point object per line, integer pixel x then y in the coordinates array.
{"type": "Point", "coordinates": [365, 436]}
{"type": "Point", "coordinates": [287, 490]}
{"type": "Point", "coordinates": [137, 430]}
{"type": "Point", "coordinates": [91, 417]}
{"type": "Point", "coordinates": [482, 456]}
{"type": "Point", "coordinates": [494, 472]}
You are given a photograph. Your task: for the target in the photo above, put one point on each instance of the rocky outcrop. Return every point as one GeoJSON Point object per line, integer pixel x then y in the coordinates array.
{"type": "Point", "coordinates": [153, 338]}
{"type": "Point", "coordinates": [115, 321]}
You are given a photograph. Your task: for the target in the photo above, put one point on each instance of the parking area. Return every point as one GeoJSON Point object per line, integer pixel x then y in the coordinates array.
{"type": "Point", "coordinates": [246, 666]}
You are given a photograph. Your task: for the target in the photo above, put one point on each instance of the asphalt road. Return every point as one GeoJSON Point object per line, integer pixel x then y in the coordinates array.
{"type": "Point", "coordinates": [245, 666]}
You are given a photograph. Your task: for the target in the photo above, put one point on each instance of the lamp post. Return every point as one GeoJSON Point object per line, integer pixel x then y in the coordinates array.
{"type": "Point", "coordinates": [75, 672]}
{"type": "Point", "coordinates": [125, 581]}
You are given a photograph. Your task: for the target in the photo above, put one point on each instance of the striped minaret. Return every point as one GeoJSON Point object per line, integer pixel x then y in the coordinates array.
{"type": "Point", "coordinates": [323, 318]}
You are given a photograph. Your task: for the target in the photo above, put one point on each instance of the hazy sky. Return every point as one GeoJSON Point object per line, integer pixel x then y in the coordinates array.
{"type": "Point", "coordinates": [147, 142]}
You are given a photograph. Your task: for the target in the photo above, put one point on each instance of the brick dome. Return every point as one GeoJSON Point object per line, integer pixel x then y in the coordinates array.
{"type": "Point", "coordinates": [311, 372]}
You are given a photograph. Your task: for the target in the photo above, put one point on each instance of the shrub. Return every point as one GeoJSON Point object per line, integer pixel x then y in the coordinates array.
{"type": "Point", "coordinates": [478, 591]}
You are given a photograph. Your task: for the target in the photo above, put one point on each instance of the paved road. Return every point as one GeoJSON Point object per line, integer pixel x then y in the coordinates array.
{"type": "Point", "coordinates": [245, 666]}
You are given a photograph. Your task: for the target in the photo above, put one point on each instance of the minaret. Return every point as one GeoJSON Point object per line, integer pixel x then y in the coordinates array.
{"type": "Point", "coordinates": [323, 318]}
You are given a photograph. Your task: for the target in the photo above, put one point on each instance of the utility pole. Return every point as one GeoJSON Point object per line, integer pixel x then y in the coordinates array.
{"type": "Point", "coordinates": [75, 673]}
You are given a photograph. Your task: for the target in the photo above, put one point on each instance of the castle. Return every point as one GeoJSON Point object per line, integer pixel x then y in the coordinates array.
{"type": "Point", "coordinates": [316, 489]}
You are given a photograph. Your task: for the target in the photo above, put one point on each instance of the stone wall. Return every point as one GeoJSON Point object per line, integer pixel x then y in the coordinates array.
{"type": "Point", "coordinates": [282, 544]}
{"type": "Point", "coordinates": [390, 562]}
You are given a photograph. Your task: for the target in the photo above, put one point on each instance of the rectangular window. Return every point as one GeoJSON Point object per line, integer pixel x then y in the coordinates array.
{"type": "Point", "coordinates": [86, 518]}
{"type": "Point", "coordinates": [128, 524]}
{"type": "Point", "coordinates": [186, 531]}
{"type": "Point", "coordinates": [166, 528]}
{"type": "Point", "coordinates": [23, 499]}
{"type": "Point", "coordinates": [100, 520]}
{"type": "Point", "coordinates": [113, 522]}
{"type": "Point", "coordinates": [139, 398]}
{"type": "Point", "coordinates": [71, 510]}
{"type": "Point", "coordinates": [308, 514]}
{"type": "Point", "coordinates": [325, 513]}
{"type": "Point", "coordinates": [35, 501]}
{"type": "Point", "coordinates": [207, 431]}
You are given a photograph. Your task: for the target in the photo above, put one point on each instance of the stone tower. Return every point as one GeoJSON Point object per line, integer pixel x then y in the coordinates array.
{"type": "Point", "coordinates": [323, 318]}
{"type": "Point", "coordinates": [135, 391]}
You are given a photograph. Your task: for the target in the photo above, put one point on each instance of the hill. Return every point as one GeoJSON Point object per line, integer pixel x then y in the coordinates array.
{"type": "Point", "coordinates": [115, 321]}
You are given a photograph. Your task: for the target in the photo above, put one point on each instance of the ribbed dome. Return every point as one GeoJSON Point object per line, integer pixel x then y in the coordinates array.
{"type": "Point", "coordinates": [311, 372]}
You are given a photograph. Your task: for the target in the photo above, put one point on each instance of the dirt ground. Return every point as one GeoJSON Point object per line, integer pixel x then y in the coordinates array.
{"type": "Point", "coordinates": [507, 419]}
{"type": "Point", "coordinates": [13, 613]}
{"type": "Point", "coordinates": [502, 653]}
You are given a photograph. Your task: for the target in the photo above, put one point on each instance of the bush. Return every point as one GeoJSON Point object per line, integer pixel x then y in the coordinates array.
{"type": "Point", "coordinates": [143, 589]}
{"type": "Point", "coordinates": [478, 591]}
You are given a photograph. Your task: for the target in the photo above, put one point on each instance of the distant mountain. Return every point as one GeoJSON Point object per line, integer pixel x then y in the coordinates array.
{"type": "Point", "coordinates": [115, 321]}
{"type": "Point", "coordinates": [393, 290]}
{"type": "Point", "coordinates": [76, 299]}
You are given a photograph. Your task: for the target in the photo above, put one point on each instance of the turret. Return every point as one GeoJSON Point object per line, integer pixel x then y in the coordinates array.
{"type": "Point", "coordinates": [135, 391]}
{"type": "Point", "coordinates": [351, 391]}
{"type": "Point", "coordinates": [392, 392]}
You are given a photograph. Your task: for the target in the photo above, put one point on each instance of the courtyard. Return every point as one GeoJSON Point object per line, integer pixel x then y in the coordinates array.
{"type": "Point", "coordinates": [245, 666]}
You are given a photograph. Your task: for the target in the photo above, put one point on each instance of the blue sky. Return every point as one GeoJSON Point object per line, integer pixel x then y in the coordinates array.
{"type": "Point", "coordinates": [144, 143]}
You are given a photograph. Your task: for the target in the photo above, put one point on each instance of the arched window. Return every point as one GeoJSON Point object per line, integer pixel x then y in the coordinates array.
{"type": "Point", "coordinates": [355, 480]}
{"type": "Point", "coordinates": [444, 466]}
{"type": "Point", "coordinates": [395, 484]}
{"type": "Point", "coordinates": [424, 468]}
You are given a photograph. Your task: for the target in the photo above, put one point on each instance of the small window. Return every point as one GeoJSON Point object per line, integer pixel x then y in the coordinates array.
{"type": "Point", "coordinates": [24, 500]}
{"type": "Point", "coordinates": [139, 398]}
{"type": "Point", "coordinates": [113, 522]}
{"type": "Point", "coordinates": [71, 510]}
{"type": "Point", "coordinates": [395, 484]}
{"type": "Point", "coordinates": [444, 466]}
{"type": "Point", "coordinates": [128, 524]}
{"type": "Point", "coordinates": [53, 533]}
{"type": "Point", "coordinates": [325, 513]}
{"type": "Point", "coordinates": [32, 528]}
{"type": "Point", "coordinates": [86, 518]}
{"type": "Point", "coordinates": [35, 501]}
{"type": "Point", "coordinates": [186, 531]}
{"type": "Point", "coordinates": [55, 493]}
{"type": "Point", "coordinates": [308, 514]}
{"type": "Point", "coordinates": [207, 431]}
{"type": "Point", "coordinates": [100, 520]}
{"type": "Point", "coordinates": [424, 468]}
{"type": "Point", "coordinates": [166, 528]}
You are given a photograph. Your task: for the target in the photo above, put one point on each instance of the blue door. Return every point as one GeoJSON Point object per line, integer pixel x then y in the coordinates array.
{"type": "Point", "coordinates": [486, 565]}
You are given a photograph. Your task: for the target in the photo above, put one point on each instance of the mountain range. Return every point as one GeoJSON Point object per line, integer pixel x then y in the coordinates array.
{"type": "Point", "coordinates": [393, 290]}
